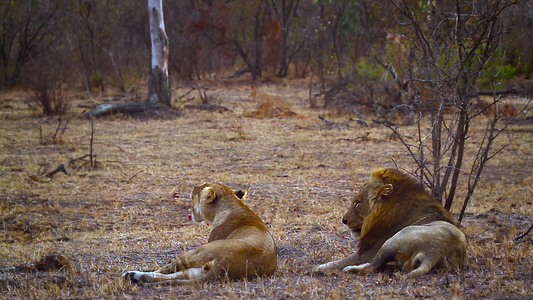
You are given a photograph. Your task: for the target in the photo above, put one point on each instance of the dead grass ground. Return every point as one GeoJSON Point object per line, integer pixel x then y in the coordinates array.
{"type": "Point", "coordinates": [130, 212]}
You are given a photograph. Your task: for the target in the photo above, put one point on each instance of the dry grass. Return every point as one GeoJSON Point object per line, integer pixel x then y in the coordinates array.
{"type": "Point", "coordinates": [300, 174]}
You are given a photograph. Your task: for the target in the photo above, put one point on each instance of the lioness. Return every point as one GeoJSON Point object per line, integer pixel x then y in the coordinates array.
{"type": "Point", "coordinates": [239, 245]}
{"type": "Point", "coordinates": [406, 204]}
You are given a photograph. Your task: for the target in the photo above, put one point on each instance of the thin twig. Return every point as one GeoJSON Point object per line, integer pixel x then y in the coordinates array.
{"type": "Point", "coordinates": [41, 135]}
{"type": "Point", "coordinates": [187, 93]}
{"type": "Point", "coordinates": [91, 144]}
{"type": "Point", "coordinates": [203, 94]}
{"type": "Point", "coordinates": [57, 128]}
{"type": "Point", "coordinates": [78, 158]}
{"type": "Point", "coordinates": [134, 175]}
{"type": "Point", "coordinates": [519, 237]}
{"type": "Point", "coordinates": [60, 168]}
{"type": "Point", "coordinates": [404, 143]}
{"type": "Point", "coordinates": [65, 127]}
{"type": "Point", "coordinates": [326, 121]}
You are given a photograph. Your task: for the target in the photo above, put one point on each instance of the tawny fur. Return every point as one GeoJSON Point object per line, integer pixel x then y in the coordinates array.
{"type": "Point", "coordinates": [408, 204]}
{"type": "Point", "coordinates": [420, 248]}
{"type": "Point", "coordinates": [239, 245]}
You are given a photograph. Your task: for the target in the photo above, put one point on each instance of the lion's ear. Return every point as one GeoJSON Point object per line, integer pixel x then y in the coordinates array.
{"type": "Point", "coordinates": [241, 194]}
{"type": "Point", "coordinates": [385, 190]}
{"type": "Point", "coordinates": [208, 195]}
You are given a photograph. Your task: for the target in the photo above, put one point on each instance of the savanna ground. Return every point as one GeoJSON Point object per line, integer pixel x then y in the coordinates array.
{"type": "Point", "coordinates": [130, 212]}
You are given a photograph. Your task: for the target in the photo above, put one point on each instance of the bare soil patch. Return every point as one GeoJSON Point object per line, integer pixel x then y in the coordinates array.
{"type": "Point", "coordinates": [130, 213]}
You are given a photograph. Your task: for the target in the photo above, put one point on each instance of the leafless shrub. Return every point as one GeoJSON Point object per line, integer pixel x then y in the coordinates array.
{"type": "Point", "coordinates": [448, 51]}
{"type": "Point", "coordinates": [57, 136]}
{"type": "Point", "coordinates": [50, 95]}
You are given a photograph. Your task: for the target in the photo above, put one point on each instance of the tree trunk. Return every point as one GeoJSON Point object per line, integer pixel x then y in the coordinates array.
{"type": "Point", "coordinates": [284, 66]}
{"type": "Point", "coordinates": [285, 13]}
{"type": "Point", "coordinates": [259, 29]}
{"type": "Point", "coordinates": [158, 85]}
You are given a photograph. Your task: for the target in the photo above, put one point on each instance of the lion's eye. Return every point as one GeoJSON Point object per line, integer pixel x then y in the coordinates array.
{"type": "Point", "coordinates": [356, 204]}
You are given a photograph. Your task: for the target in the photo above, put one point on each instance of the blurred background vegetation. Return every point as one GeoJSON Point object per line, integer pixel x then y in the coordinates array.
{"type": "Point", "coordinates": [344, 45]}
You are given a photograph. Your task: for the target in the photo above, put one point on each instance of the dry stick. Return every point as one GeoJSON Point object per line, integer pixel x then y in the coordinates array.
{"type": "Point", "coordinates": [518, 238]}
{"type": "Point", "coordinates": [422, 165]}
{"type": "Point", "coordinates": [328, 122]}
{"type": "Point", "coordinates": [402, 140]}
{"type": "Point", "coordinates": [79, 158]}
{"type": "Point", "coordinates": [203, 94]}
{"type": "Point", "coordinates": [70, 162]}
{"type": "Point", "coordinates": [60, 168]}
{"type": "Point", "coordinates": [187, 93]}
{"type": "Point", "coordinates": [360, 121]}
{"type": "Point", "coordinates": [135, 175]}
{"type": "Point", "coordinates": [65, 127]}
{"type": "Point", "coordinates": [91, 144]}
{"type": "Point", "coordinates": [58, 127]}
{"type": "Point", "coordinates": [311, 100]}
{"type": "Point", "coordinates": [364, 137]}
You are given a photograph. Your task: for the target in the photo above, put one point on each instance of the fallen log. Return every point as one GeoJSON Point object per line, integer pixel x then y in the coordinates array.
{"type": "Point", "coordinates": [126, 108]}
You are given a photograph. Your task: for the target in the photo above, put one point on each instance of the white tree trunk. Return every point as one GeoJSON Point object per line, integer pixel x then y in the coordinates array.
{"type": "Point", "coordinates": [158, 85]}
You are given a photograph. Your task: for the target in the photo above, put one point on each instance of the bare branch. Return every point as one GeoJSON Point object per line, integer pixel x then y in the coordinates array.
{"type": "Point", "coordinates": [60, 168]}
{"type": "Point", "coordinates": [519, 237]}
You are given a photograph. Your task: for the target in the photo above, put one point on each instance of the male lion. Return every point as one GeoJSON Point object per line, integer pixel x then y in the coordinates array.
{"type": "Point", "coordinates": [416, 248]}
{"type": "Point", "coordinates": [239, 245]}
{"type": "Point", "coordinates": [391, 204]}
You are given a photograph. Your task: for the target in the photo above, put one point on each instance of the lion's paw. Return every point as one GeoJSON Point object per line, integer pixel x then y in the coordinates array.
{"type": "Point", "coordinates": [323, 268]}
{"type": "Point", "coordinates": [356, 269]}
{"type": "Point", "coordinates": [135, 277]}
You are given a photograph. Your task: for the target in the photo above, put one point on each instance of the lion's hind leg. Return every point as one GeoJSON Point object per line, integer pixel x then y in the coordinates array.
{"type": "Point", "coordinates": [422, 263]}
{"type": "Point", "coordinates": [189, 275]}
{"type": "Point", "coordinates": [340, 264]}
{"type": "Point", "coordinates": [378, 262]}
{"type": "Point", "coordinates": [385, 255]}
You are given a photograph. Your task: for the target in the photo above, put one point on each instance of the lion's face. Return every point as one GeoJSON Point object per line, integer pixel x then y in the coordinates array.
{"type": "Point", "coordinates": [358, 210]}
{"type": "Point", "coordinates": [200, 196]}
{"type": "Point", "coordinates": [360, 206]}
